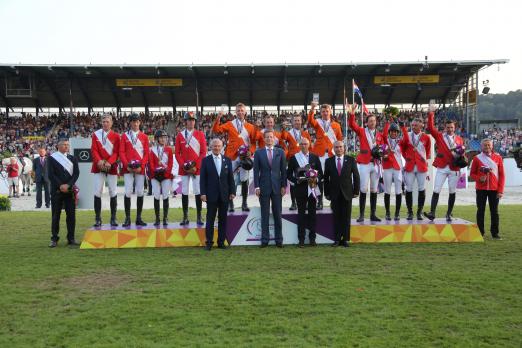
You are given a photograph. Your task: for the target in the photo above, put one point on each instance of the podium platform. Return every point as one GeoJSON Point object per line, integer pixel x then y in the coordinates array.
{"type": "Point", "coordinates": [244, 228]}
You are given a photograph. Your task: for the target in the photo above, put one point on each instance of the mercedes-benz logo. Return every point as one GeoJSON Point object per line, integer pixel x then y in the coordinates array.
{"type": "Point", "coordinates": [84, 155]}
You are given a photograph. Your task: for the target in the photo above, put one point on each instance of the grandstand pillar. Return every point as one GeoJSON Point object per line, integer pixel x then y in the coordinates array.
{"type": "Point", "coordinates": [146, 110]}
{"type": "Point", "coordinates": [278, 110]}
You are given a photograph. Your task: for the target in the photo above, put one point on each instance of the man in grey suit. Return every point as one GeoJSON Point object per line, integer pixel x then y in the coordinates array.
{"type": "Point", "coordinates": [270, 184]}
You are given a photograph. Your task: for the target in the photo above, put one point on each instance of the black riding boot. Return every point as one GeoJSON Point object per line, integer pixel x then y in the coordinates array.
{"type": "Point", "coordinates": [362, 206]}
{"type": "Point", "coordinates": [244, 196]}
{"type": "Point", "coordinates": [433, 208]}
{"type": "Point", "coordinates": [386, 206]}
{"type": "Point", "coordinates": [97, 212]}
{"type": "Point", "coordinates": [409, 205]}
{"type": "Point", "coordinates": [373, 207]}
{"type": "Point", "coordinates": [293, 206]}
{"type": "Point", "coordinates": [139, 208]}
{"type": "Point", "coordinates": [451, 203]}
{"type": "Point", "coordinates": [127, 206]}
{"type": "Point", "coordinates": [157, 212]}
{"type": "Point", "coordinates": [398, 203]}
{"type": "Point", "coordinates": [199, 221]}
{"type": "Point", "coordinates": [184, 205]}
{"type": "Point", "coordinates": [114, 209]}
{"type": "Point", "coordinates": [166, 211]}
{"type": "Point", "coordinates": [420, 204]}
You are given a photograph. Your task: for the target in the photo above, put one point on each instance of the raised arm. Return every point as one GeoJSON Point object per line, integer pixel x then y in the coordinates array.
{"type": "Point", "coordinates": [216, 126]}
{"type": "Point", "coordinates": [431, 125]}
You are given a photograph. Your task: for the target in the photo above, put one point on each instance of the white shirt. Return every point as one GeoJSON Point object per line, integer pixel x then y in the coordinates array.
{"type": "Point", "coordinates": [217, 162]}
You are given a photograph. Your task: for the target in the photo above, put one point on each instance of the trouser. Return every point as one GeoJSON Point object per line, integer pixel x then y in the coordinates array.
{"type": "Point", "coordinates": [99, 182]}
{"type": "Point", "coordinates": [185, 182]}
{"type": "Point", "coordinates": [342, 212]}
{"type": "Point", "coordinates": [410, 177]}
{"type": "Point", "coordinates": [131, 179]}
{"type": "Point", "coordinates": [442, 175]}
{"type": "Point", "coordinates": [265, 200]}
{"type": "Point", "coordinates": [61, 200]}
{"type": "Point", "coordinates": [482, 197]}
{"type": "Point", "coordinates": [368, 172]}
{"type": "Point", "coordinates": [241, 175]}
{"type": "Point", "coordinates": [161, 188]}
{"type": "Point", "coordinates": [45, 186]}
{"type": "Point", "coordinates": [305, 220]}
{"type": "Point", "coordinates": [395, 176]}
{"type": "Point", "coordinates": [219, 208]}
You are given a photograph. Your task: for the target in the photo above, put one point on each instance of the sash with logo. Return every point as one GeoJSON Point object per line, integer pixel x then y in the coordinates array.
{"type": "Point", "coordinates": [104, 140]}
{"type": "Point", "coordinates": [394, 146]}
{"type": "Point", "coordinates": [327, 129]}
{"type": "Point", "coordinates": [136, 142]}
{"type": "Point", "coordinates": [487, 161]}
{"type": "Point", "coordinates": [296, 134]}
{"type": "Point", "coordinates": [370, 137]}
{"type": "Point", "coordinates": [160, 153]}
{"type": "Point", "coordinates": [239, 126]}
{"type": "Point", "coordinates": [64, 161]}
{"type": "Point", "coordinates": [191, 141]}
{"type": "Point", "coordinates": [418, 145]}
{"type": "Point", "coordinates": [303, 161]}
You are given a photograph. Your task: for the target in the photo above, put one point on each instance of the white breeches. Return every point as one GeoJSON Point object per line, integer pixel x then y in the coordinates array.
{"type": "Point", "coordinates": [410, 177]}
{"type": "Point", "coordinates": [185, 182]}
{"type": "Point", "coordinates": [368, 172]}
{"type": "Point", "coordinates": [440, 178]}
{"type": "Point", "coordinates": [99, 182]}
{"type": "Point", "coordinates": [395, 176]}
{"type": "Point", "coordinates": [161, 188]}
{"type": "Point", "coordinates": [130, 180]}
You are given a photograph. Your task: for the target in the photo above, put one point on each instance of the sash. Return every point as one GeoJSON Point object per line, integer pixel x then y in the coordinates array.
{"type": "Point", "coordinates": [303, 161]}
{"type": "Point", "coordinates": [162, 157]}
{"type": "Point", "coordinates": [396, 151]}
{"type": "Point", "coordinates": [192, 142]}
{"type": "Point", "coordinates": [136, 143]}
{"type": "Point", "coordinates": [487, 161]}
{"type": "Point", "coordinates": [104, 140]}
{"type": "Point", "coordinates": [64, 161]}
{"type": "Point", "coordinates": [276, 139]}
{"type": "Point", "coordinates": [450, 143]}
{"type": "Point", "coordinates": [418, 145]}
{"type": "Point", "coordinates": [241, 130]}
{"type": "Point", "coordinates": [370, 138]}
{"type": "Point", "coordinates": [327, 129]}
{"type": "Point", "coordinates": [296, 134]}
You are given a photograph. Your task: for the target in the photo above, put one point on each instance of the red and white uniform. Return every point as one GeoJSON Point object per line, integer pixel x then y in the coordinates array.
{"type": "Point", "coordinates": [495, 178]}
{"type": "Point", "coordinates": [161, 156]}
{"type": "Point", "coordinates": [190, 146]}
{"type": "Point", "coordinates": [444, 158]}
{"type": "Point", "coordinates": [416, 150]}
{"type": "Point", "coordinates": [105, 146]}
{"type": "Point", "coordinates": [134, 146]}
{"type": "Point", "coordinates": [368, 168]}
{"type": "Point", "coordinates": [392, 162]}
{"type": "Point", "coordinates": [292, 138]}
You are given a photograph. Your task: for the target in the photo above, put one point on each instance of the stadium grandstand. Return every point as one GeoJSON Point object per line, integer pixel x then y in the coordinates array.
{"type": "Point", "coordinates": [40, 103]}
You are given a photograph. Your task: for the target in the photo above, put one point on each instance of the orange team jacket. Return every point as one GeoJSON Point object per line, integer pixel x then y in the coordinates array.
{"type": "Point", "coordinates": [495, 178]}
{"type": "Point", "coordinates": [394, 160]}
{"type": "Point", "coordinates": [166, 160]}
{"type": "Point", "coordinates": [365, 154]}
{"type": "Point", "coordinates": [292, 138]}
{"type": "Point", "coordinates": [190, 147]}
{"type": "Point", "coordinates": [239, 133]}
{"type": "Point", "coordinates": [416, 150]}
{"type": "Point", "coordinates": [325, 135]}
{"type": "Point", "coordinates": [444, 155]}
{"type": "Point", "coordinates": [105, 147]}
{"type": "Point", "coordinates": [134, 149]}
{"type": "Point", "coordinates": [278, 140]}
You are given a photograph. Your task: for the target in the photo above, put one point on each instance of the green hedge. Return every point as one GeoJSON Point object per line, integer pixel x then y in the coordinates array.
{"type": "Point", "coordinates": [5, 203]}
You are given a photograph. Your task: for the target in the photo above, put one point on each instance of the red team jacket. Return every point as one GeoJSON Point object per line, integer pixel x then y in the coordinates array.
{"type": "Point", "coordinates": [185, 152]}
{"type": "Point", "coordinates": [392, 162]}
{"type": "Point", "coordinates": [108, 152]}
{"type": "Point", "coordinates": [495, 178]}
{"type": "Point", "coordinates": [365, 155]}
{"type": "Point", "coordinates": [412, 153]}
{"type": "Point", "coordinates": [167, 161]}
{"type": "Point", "coordinates": [444, 155]}
{"type": "Point", "coordinates": [128, 152]}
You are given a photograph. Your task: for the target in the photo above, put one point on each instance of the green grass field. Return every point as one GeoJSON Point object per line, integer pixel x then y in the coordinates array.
{"type": "Point", "coordinates": [412, 295]}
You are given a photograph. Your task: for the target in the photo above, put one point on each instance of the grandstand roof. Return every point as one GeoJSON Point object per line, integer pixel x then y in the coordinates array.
{"type": "Point", "coordinates": [254, 84]}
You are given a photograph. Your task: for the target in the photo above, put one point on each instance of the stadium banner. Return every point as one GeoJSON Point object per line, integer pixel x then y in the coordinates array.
{"type": "Point", "coordinates": [149, 82]}
{"type": "Point", "coordinates": [406, 79]}
{"type": "Point", "coordinates": [34, 137]}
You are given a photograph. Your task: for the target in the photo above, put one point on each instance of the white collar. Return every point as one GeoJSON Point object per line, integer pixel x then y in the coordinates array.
{"type": "Point", "coordinates": [269, 148]}
{"type": "Point", "coordinates": [339, 157]}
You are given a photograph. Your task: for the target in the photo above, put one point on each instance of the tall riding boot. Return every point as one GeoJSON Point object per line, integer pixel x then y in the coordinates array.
{"type": "Point", "coordinates": [420, 204]}
{"type": "Point", "coordinates": [157, 212]}
{"type": "Point", "coordinates": [451, 203]}
{"type": "Point", "coordinates": [139, 208]}
{"type": "Point", "coordinates": [373, 207]}
{"type": "Point", "coordinates": [434, 202]}
{"type": "Point", "coordinates": [166, 211]}
{"type": "Point", "coordinates": [184, 205]}
{"type": "Point", "coordinates": [114, 209]}
{"type": "Point", "coordinates": [199, 221]}
{"type": "Point", "coordinates": [398, 203]}
{"type": "Point", "coordinates": [409, 205]}
{"type": "Point", "coordinates": [97, 212]}
{"type": "Point", "coordinates": [127, 206]}
{"type": "Point", "coordinates": [386, 205]}
{"type": "Point", "coordinates": [362, 206]}
{"type": "Point", "coordinates": [292, 197]}
{"type": "Point", "coordinates": [244, 196]}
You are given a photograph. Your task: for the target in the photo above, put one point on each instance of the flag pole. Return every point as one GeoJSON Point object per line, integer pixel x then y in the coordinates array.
{"type": "Point", "coordinates": [344, 111]}
{"type": "Point", "coordinates": [353, 103]}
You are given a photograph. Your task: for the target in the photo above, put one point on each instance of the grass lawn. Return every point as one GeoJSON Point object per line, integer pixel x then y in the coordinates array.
{"type": "Point", "coordinates": [413, 295]}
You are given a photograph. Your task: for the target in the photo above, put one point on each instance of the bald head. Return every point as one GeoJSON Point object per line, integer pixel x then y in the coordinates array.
{"type": "Point", "coordinates": [304, 145]}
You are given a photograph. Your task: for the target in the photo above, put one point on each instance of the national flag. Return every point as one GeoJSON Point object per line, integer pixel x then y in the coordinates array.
{"type": "Point", "coordinates": [356, 90]}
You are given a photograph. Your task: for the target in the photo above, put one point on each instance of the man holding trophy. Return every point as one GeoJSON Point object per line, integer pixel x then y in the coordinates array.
{"type": "Point", "coordinates": [305, 173]}
{"type": "Point", "coordinates": [160, 167]}
{"type": "Point", "coordinates": [105, 147]}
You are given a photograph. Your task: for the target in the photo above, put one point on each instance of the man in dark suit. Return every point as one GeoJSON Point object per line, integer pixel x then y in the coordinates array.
{"type": "Point", "coordinates": [40, 177]}
{"type": "Point", "coordinates": [63, 173]}
{"type": "Point", "coordinates": [341, 185]}
{"type": "Point", "coordinates": [306, 197]}
{"type": "Point", "coordinates": [217, 187]}
{"type": "Point", "coordinates": [270, 184]}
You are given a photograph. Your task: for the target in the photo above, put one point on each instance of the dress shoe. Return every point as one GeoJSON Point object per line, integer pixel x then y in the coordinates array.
{"type": "Point", "coordinates": [38, 207]}
{"type": "Point", "coordinates": [245, 207]}
{"type": "Point", "coordinates": [335, 244]}
{"type": "Point", "coordinates": [293, 207]}
{"type": "Point", "coordinates": [208, 247]}
{"type": "Point", "coordinates": [313, 243]}
{"type": "Point", "coordinates": [222, 246]}
{"type": "Point", "coordinates": [53, 244]}
{"type": "Point", "coordinates": [300, 245]}
{"type": "Point", "coordinates": [497, 237]}
{"type": "Point", "coordinates": [279, 245]}
{"type": "Point", "coordinates": [47, 205]}
{"type": "Point", "coordinates": [73, 243]}
{"type": "Point", "coordinates": [319, 205]}
{"type": "Point", "coordinates": [360, 219]}
{"type": "Point", "coordinates": [344, 244]}
{"type": "Point", "coordinates": [263, 245]}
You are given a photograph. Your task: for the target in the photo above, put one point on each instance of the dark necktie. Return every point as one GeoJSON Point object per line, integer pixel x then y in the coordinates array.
{"type": "Point", "coordinates": [339, 167]}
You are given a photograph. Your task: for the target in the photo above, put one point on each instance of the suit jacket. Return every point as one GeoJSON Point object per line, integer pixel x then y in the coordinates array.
{"type": "Point", "coordinates": [216, 186]}
{"type": "Point", "coordinates": [301, 189]}
{"type": "Point", "coordinates": [347, 184]}
{"type": "Point", "coordinates": [40, 172]}
{"type": "Point", "coordinates": [269, 179]}
{"type": "Point", "coordinates": [59, 176]}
